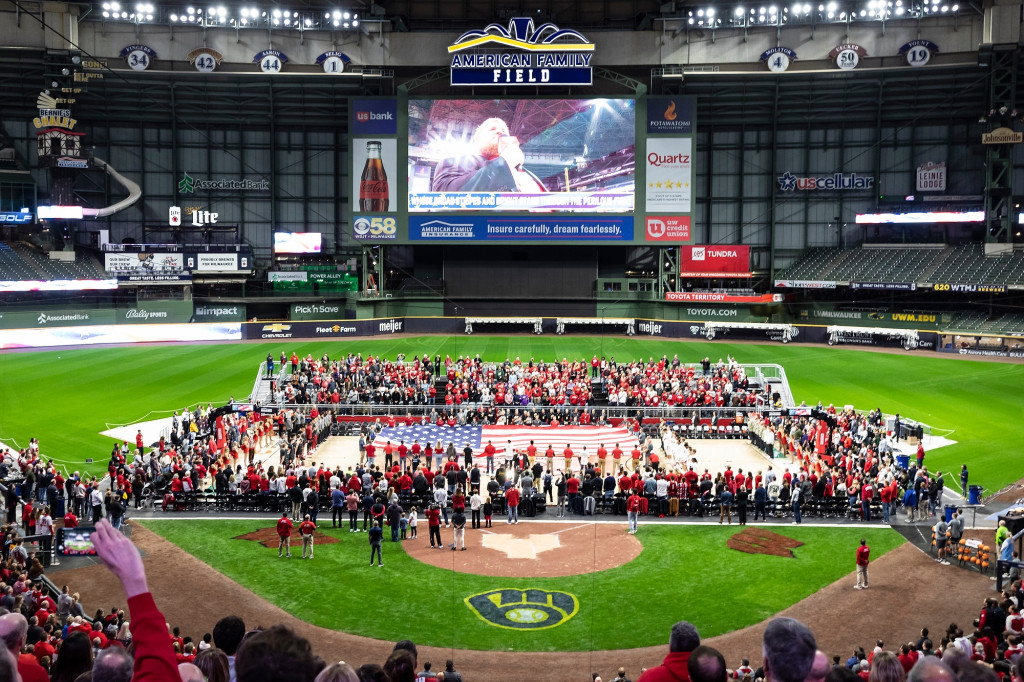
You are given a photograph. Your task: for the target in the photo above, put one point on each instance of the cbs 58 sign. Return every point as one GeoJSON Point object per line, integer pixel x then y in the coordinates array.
{"type": "Point", "coordinates": [374, 227]}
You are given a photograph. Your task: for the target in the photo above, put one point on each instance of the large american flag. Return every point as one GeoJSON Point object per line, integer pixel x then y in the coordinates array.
{"type": "Point", "coordinates": [520, 436]}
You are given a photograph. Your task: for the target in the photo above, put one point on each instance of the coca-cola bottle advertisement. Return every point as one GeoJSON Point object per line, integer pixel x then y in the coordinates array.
{"type": "Point", "coordinates": [373, 174]}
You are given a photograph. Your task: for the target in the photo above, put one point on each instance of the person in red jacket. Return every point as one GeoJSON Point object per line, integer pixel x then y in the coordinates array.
{"type": "Point", "coordinates": [284, 532]}
{"type": "Point", "coordinates": [683, 640]}
{"type": "Point", "coordinates": [434, 524]}
{"type": "Point", "coordinates": [863, 556]}
{"type": "Point", "coordinates": [633, 510]}
{"type": "Point", "coordinates": [512, 505]}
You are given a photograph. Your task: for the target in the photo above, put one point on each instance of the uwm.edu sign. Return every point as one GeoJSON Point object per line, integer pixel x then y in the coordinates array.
{"type": "Point", "coordinates": [714, 261]}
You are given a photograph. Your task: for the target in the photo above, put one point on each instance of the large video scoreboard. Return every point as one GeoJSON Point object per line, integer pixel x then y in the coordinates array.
{"type": "Point", "coordinates": [528, 171]}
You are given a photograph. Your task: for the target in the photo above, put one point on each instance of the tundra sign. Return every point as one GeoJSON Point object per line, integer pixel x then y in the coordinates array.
{"type": "Point", "coordinates": [714, 261]}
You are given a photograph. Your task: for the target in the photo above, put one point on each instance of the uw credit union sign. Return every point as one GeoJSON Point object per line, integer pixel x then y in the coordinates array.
{"type": "Point", "coordinates": [522, 55]}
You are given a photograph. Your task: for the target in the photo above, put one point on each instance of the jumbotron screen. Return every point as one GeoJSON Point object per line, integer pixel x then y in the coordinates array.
{"type": "Point", "coordinates": [538, 155]}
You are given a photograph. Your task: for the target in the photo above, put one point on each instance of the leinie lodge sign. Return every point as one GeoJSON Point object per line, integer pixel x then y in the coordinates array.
{"type": "Point", "coordinates": [522, 55]}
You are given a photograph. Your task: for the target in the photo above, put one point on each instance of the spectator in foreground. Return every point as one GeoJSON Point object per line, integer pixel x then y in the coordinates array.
{"type": "Point", "coordinates": [337, 672]}
{"type": "Point", "coordinates": [885, 667]}
{"type": "Point", "coordinates": [706, 664]}
{"type": "Point", "coordinates": [227, 635]}
{"type": "Point", "coordinates": [683, 640]}
{"type": "Point", "coordinates": [13, 635]}
{"type": "Point", "coordinates": [214, 664]}
{"type": "Point", "coordinates": [112, 665]}
{"type": "Point", "coordinates": [788, 650]}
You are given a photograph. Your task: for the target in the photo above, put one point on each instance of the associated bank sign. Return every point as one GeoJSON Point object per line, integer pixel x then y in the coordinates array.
{"type": "Point", "coordinates": [522, 55]}
{"type": "Point", "coordinates": [190, 184]}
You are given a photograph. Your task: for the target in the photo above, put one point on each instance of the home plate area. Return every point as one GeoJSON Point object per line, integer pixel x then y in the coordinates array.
{"type": "Point", "coordinates": [536, 549]}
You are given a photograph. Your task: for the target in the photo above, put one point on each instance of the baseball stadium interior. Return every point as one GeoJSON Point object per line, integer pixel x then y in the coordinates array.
{"type": "Point", "coordinates": [836, 172]}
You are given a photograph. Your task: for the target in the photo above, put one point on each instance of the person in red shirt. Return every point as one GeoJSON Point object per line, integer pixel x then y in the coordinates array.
{"type": "Point", "coordinates": [306, 529]}
{"type": "Point", "coordinates": [863, 556]}
{"type": "Point", "coordinates": [683, 640]}
{"type": "Point", "coordinates": [633, 511]}
{"type": "Point", "coordinates": [14, 633]}
{"type": "Point", "coordinates": [434, 524]}
{"type": "Point", "coordinates": [512, 505]}
{"type": "Point", "coordinates": [70, 520]}
{"type": "Point", "coordinates": [284, 532]}
{"type": "Point", "coordinates": [43, 648]}
{"type": "Point", "coordinates": [403, 454]}
{"type": "Point", "coordinates": [489, 451]}
{"type": "Point", "coordinates": [636, 454]}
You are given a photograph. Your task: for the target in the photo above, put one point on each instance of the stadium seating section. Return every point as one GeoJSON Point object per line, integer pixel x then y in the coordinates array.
{"type": "Point", "coordinates": [964, 264]}
{"type": "Point", "coordinates": [24, 261]}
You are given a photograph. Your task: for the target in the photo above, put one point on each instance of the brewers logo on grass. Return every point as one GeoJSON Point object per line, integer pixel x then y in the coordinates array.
{"type": "Point", "coordinates": [524, 609]}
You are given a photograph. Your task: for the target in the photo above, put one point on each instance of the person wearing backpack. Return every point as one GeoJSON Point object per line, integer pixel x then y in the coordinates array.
{"type": "Point", "coordinates": [450, 674]}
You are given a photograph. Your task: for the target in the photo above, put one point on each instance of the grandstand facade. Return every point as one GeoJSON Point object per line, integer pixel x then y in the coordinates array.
{"type": "Point", "coordinates": [887, 190]}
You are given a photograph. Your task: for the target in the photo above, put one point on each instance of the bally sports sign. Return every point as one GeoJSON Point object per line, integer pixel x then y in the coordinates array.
{"type": "Point", "coordinates": [714, 261]}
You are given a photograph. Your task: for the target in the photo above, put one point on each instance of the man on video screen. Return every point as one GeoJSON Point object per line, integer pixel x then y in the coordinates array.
{"type": "Point", "coordinates": [495, 166]}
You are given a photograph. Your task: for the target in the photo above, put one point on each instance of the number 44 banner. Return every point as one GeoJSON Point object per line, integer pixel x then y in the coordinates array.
{"type": "Point", "coordinates": [270, 61]}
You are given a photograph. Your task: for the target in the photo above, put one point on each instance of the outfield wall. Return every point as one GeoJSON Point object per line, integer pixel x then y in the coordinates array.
{"type": "Point", "coordinates": [38, 337]}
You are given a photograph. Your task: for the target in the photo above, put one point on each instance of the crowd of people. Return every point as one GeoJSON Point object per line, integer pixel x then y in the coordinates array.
{"type": "Point", "coordinates": [354, 380]}
{"type": "Point", "coordinates": [833, 455]}
{"type": "Point", "coordinates": [43, 639]}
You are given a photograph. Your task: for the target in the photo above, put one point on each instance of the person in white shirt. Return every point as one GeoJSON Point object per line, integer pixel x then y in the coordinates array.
{"type": "Point", "coordinates": [44, 527]}
{"type": "Point", "coordinates": [475, 503]}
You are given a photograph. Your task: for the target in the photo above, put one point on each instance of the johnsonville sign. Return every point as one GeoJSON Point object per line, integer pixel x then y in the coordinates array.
{"type": "Point", "coordinates": [522, 55]}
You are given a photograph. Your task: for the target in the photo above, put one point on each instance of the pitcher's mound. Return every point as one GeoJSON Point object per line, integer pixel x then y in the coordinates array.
{"type": "Point", "coordinates": [543, 550]}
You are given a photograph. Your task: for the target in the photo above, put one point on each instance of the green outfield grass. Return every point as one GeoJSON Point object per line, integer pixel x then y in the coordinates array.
{"type": "Point", "coordinates": [682, 572]}
{"type": "Point", "coordinates": [67, 397]}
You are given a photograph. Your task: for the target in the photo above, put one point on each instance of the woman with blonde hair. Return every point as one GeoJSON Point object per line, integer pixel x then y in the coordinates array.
{"type": "Point", "coordinates": [885, 667]}
{"type": "Point", "coordinates": [124, 635]}
{"type": "Point", "coordinates": [337, 672]}
{"type": "Point", "coordinates": [76, 606]}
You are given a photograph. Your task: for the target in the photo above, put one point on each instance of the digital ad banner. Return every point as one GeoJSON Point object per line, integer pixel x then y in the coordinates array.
{"type": "Point", "coordinates": [142, 262]}
{"type": "Point", "coordinates": [569, 155]}
{"type": "Point", "coordinates": [520, 228]}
